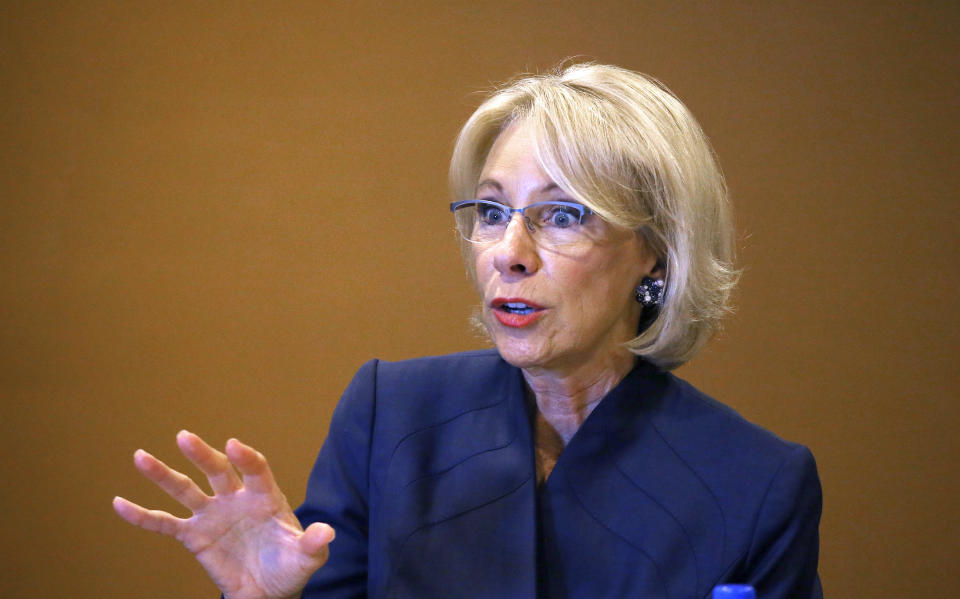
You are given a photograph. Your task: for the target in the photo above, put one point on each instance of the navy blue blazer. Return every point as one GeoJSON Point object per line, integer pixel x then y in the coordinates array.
{"type": "Point", "coordinates": [428, 477]}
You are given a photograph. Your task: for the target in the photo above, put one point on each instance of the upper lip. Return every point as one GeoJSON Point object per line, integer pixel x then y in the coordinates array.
{"type": "Point", "coordinates": [515, 301]}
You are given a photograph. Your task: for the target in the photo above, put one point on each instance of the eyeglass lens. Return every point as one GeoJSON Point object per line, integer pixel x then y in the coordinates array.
{"type": "Point", "coordinates": [555, 223]}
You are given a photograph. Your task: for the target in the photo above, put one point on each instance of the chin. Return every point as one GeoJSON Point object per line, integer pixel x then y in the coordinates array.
{"type": "Point", "coordinates": [519, 354]}
{"type": "Point", "coordinates": [521, 348]}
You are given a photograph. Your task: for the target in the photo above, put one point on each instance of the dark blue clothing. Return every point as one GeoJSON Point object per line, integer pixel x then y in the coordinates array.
{"type": "Point", "coordinates": [428, 477]}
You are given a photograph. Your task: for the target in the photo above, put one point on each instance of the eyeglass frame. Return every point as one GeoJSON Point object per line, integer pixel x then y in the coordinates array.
{"type": "Point", "coordinates": [532, 227]}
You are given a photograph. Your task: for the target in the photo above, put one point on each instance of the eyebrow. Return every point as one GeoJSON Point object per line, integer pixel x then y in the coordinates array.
{"type": "Point", "coordinates": [496, 185]}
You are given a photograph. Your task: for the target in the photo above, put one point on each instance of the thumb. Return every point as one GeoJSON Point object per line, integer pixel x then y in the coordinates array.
{"type": "Point", "coordinates": [315, 538]}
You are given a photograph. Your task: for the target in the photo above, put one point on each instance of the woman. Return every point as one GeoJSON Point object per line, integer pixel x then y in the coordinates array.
{"type": "Point", "coordinates": [568, 462]}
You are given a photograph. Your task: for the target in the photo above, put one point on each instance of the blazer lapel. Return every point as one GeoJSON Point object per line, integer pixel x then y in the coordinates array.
{"type": "Point", "coordinates": [627, 477]}
{"type": "Point", "coordinates": [467, 478]}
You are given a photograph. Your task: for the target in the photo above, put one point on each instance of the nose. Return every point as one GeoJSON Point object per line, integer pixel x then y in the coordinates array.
{"type": "Point", "coordinates": [516, 253]}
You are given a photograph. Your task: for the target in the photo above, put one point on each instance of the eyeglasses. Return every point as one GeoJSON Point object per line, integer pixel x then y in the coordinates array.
{"type": "Point", "coordinates": [555, 223]}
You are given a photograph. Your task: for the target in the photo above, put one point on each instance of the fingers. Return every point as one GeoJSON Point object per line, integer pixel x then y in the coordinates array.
{"type": "Point", "coordinates": [315, 539]}
{"type": "Point", "coordinates": [315, 544]}
{"type": "Point", "coordinates": [214, 464]}
{"type": "Point", "coordinates": [153, 520]}
{"type": "Point", "coordinates": [177, 485]}
{"type": "Point", "coordinates": [252, 465]}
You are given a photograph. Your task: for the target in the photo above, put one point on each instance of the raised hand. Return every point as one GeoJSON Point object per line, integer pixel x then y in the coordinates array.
{"type": "Point", "coordinates": [245, 536]}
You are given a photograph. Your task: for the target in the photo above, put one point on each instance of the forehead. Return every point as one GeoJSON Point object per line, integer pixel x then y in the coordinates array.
{"type": "Point", "coordinates": [514, 149]}
{"type": "Point", "coordinates": [512, 164]}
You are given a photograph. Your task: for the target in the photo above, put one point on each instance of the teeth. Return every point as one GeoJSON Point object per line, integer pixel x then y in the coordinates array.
{"type": "Point", "coordinates": [516, 308]}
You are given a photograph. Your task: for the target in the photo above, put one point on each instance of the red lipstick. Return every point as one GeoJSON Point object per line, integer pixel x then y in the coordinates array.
{"type": "Point", "coordinates": [516, 312]}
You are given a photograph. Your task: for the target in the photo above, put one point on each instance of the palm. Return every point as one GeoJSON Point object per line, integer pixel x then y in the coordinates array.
{"type": "Point", "coordinates": [245, 535]}
{"type": "Point", "coordinates": [251, 548]}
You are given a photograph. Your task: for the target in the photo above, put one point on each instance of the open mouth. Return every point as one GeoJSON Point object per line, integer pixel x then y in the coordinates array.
{"type": "Point", "coordinates": [516, 312]}
{"type": "Point", "coordinates": [516, 308]}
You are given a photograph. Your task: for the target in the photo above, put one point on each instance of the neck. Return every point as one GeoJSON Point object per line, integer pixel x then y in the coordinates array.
{"type": "Point", "coordinates": [565, 399]}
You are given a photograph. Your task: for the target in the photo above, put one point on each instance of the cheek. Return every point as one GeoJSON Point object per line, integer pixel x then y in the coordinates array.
{"type": "Point", "coordinates": [606, 286]}
{"type": "Point", "coordinates": [482, 270]}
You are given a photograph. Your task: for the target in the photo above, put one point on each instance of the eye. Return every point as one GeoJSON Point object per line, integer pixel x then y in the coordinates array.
{"type": "Point", "coordinates": [491, 214]}
{"type": "Point", "coordinates": [560, 216]}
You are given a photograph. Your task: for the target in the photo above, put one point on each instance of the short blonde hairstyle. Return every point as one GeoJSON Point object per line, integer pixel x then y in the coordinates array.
{"type": "Point", "coordinates": [622, 144]}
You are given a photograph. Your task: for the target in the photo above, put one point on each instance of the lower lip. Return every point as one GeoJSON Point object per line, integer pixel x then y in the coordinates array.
{"type": "Point", "coordinates": [517, 321]}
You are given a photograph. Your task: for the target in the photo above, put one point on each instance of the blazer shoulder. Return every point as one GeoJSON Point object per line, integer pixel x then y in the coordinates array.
{"type": "Point", "coordinates": [766, 488]}
{"type": "Point", "coordinates": [407, 380]}
{"type": "Point", "coordinates": [423, 392]}
{"type": "Point", "coordinates": [695, 423]}
{"type": "Point", "coordinates": [432, 370]}
{"type": "Point", "coordinates": [735, 458]}
{"type": "Point", "coordinates": [383, 378]}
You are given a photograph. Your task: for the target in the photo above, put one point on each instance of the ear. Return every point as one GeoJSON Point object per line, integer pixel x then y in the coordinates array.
{"type": "Point", "coordinates": [652, 265]}
{"type": "Point", "coordinates": [658, 271]}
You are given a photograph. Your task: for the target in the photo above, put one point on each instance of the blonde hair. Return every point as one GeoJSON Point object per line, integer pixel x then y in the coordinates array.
{"type": "Point", "coordinates": [621, 143]}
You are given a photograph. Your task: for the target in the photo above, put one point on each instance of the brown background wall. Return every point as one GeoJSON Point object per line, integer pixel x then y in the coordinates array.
{"type": "Point", "coordinates": [212, 214]}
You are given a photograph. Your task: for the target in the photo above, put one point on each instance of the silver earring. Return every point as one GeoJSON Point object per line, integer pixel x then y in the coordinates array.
{"type": "Point", "coordinates": [649, 292]}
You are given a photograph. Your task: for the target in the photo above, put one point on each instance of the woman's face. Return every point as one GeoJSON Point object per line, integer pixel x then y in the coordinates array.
{"type": "Point", "coordinates": [582, 295]}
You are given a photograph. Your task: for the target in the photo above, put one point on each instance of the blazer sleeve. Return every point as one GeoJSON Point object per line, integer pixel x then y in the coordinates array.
{"type": "Point", "coordinates": [338, 491]}
{"type": "Point", "coordinates": [782, 559]}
